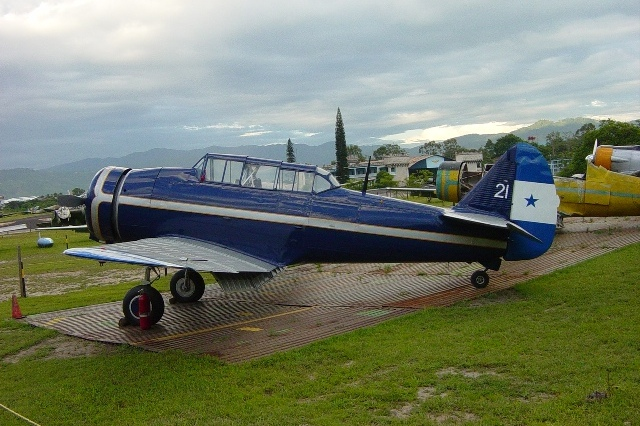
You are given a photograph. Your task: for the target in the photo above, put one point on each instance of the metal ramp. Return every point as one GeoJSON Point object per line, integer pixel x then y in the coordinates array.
{"type": "Point", "coordinates": [310, 302]}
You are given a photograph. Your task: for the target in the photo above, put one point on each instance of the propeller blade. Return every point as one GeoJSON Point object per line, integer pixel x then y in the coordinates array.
{"type": "Point", "coordinates": [71, 200]}
{"type": "Point", "coordinates": [592, 156]}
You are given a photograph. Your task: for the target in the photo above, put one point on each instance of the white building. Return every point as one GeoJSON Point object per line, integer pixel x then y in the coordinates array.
{"type": "Point", "coordinates": [398, 167]}
{"type": "Point", "coordinates": [557, 165]}
{"type": "Point", "coordinates": [473, 160]}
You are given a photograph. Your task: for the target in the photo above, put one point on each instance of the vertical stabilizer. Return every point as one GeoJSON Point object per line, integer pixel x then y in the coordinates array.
{"type": "Point", "coordinates": [519, 188]}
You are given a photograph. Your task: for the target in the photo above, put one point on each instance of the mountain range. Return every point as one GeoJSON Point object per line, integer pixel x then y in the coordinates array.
{"type": "Point", "coordinates": [77, 174]}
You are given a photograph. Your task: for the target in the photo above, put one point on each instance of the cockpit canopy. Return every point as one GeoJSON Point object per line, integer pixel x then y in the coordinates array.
{"type": "Point", "coordinates": [266, 174]}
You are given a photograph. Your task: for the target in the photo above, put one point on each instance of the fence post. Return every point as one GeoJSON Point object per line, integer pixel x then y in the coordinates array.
{"type": "Point", "coordinates": [23, 286]}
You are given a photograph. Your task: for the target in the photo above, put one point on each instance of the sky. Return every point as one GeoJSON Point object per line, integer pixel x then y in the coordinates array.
{"type": "Point", "coordinates": [82, 79]}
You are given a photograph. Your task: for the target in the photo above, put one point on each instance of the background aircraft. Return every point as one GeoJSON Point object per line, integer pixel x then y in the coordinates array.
{"type": "Point", "coordinates": [611, 186]}
{"type": "Point", "coordinates": [244, 219]}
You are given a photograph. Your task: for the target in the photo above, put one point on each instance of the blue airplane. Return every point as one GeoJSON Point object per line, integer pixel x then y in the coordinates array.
{"type": "Point", "coordinates": [244, 219]}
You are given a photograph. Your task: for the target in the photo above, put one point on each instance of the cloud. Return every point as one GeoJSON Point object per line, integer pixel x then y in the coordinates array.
{"type": "Point", "coordinates": [440, 133]}
{"type": "Point", "coordinates": [257, 133]}
{"type": "Point", "coordinates": [219, 126]}
{"type": "Point", "coordinates": [80, 77]}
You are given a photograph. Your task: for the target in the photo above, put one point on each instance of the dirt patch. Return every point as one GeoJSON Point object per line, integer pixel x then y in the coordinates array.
{"type": "Point", "coordinates": [64, 282]}
{"type": "Point", "coordinates": [61, 347]}
{"type": "Point", "coordinates": [456, 417]}
{"type": "Point", "coordinates": [470, 374]}
{"type": "Point", "coordinates": [423, 394]}
{"type": "Point", "coordinates": [504, 296]}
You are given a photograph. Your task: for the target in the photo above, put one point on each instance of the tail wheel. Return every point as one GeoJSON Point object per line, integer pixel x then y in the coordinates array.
{"type": "Point", "coordinates": [480, 279]}
{"type": "Point", "coordinates": [186, 286]}
{"type": "Point", "coordinates": [130, 304]}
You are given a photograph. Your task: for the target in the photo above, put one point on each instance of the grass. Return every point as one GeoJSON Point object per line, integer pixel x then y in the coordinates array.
{"type": "Point", "coordinates": [42, 260]}
{"type": "Point", "coordinates": [47, 270]}
{"type": "Point", "coordinates": [426, 200]}
{"type": "Point", "coordinates": [533, 359]}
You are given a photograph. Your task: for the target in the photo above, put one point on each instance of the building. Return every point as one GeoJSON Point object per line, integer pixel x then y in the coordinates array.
{"type": "Point", "coordinates": [398, 167]}
{"type": "Point", "coordinates": [473, 160]}
{"type": "Point", "coordinates": [558, 164]}
{"type": "Point", "coordinates": [430, 163]}
{"type": "Point", "coordinates": [401, 167]}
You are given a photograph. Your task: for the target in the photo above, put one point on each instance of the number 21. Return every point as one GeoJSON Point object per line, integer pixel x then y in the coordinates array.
{"type": "Point", "coordinates": [503, 191]}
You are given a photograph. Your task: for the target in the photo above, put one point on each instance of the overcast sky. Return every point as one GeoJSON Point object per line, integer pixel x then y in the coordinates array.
{"type": "Point", "coordinates": [83, 78]}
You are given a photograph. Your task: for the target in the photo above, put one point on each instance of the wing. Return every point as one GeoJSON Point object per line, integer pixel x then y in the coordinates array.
{"type": "Point", "coordinates": [175, 252]}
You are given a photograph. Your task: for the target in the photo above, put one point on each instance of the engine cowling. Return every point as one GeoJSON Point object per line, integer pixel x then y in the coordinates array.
{"type": "Point", "coordinates": [448, 186]}
{"type": "Point", "coordinates": [620, 159]}
{"type": "Point", "coordinates": [101, 208]}
{"type": "Point", "coordinates": [454, 180]}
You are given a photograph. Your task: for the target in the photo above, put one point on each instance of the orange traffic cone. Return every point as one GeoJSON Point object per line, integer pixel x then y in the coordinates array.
{"type": "Point", "coordinates": [15, 308]}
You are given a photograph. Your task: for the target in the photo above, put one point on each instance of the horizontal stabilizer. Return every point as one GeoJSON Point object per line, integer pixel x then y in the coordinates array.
{"type": "Point", "coordinates": [491, 221]}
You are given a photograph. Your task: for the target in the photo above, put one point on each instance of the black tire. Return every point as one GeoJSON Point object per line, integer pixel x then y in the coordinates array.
{"type": "Point", "coordinates": [480, 279]}
{"type": "Point", "coordinates": [187, 290]}
{"type": "Point", "coordinates": [130, 304]}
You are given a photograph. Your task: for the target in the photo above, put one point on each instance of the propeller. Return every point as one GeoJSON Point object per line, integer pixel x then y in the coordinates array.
{"type": "Point", "coordinates": [71, 200]}
{"type": "Point", "coordinates": [592, 156]}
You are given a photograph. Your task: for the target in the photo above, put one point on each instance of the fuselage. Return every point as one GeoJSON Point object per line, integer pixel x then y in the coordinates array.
{"type": "Point", "coordinates": [278, 220]}
{"type": "Point", "coordinates": [602, 193]}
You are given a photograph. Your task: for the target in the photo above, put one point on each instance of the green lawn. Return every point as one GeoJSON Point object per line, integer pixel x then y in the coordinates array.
{"type": "Point", "coordinates": [531, 358]}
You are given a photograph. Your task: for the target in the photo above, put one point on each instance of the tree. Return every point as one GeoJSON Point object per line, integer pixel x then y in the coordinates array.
{"type": "Point", "coordinates": [588, 127]}
{"type": "Point", "coordinates": [450, 148]}
{"type": "Point", "coordinates": [388, 150]}
{"type": "Point", "coordinates": [355, 151]}
{"type": "Point", "coordinates": [354, 184]}
{"type": "Point", "coordinates": [559, 146]}
{"type": "Point", "coordinates": [503, 144]}
{"type": "Point", "coordinates": [419, 179]}
{"type": "Point", "coordinates": [384, 179]}
{"type": "Point", "coordinates": [291, 155]}
{"type": "Point", "coordinates": [342, 165]}
{"type": "Point", "coordinates": [487, 151]}
{"type": "Point", "coordinates": [430, 148]}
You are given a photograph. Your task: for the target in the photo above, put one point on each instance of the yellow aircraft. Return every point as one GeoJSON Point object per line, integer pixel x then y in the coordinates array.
{"type": "Point", "coordinates": [611, 186]}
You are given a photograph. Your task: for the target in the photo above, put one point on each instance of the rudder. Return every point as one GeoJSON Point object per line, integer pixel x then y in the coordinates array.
{"type": "Point", "coordinates": [519, 188]}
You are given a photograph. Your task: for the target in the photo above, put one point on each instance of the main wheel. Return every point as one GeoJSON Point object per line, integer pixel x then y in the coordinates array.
{"type": "Point", "coordinates": [480, 279]}
{"type": "Point", "coordinates": [187, 289]}
{"type": "Point", "coordinates": [130, 304]}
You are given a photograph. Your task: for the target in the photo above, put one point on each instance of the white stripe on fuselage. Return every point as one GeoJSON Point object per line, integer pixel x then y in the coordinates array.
{"type": "Point", "coordinates": [311, 222]}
